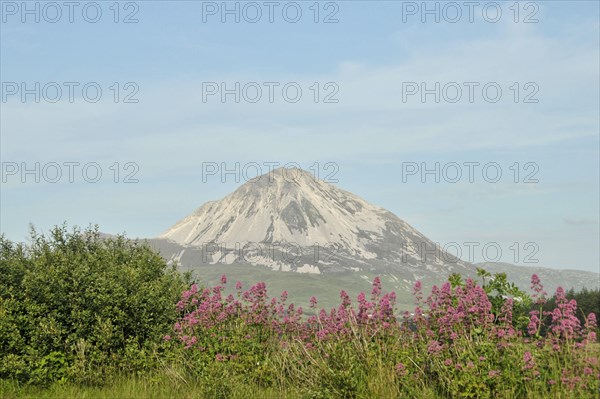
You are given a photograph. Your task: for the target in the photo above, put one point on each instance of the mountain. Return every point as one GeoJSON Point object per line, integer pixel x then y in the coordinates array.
{"type": "Point", "coordinates": [289, 221]}
{"type": "Point", "coordinates": [290, 229]}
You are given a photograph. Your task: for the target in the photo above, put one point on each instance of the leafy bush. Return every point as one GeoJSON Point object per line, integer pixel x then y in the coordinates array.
{"type": "Point", "coordinates": [77, 306]}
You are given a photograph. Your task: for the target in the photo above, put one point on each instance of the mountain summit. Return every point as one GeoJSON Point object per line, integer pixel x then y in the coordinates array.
{"type": "Point", "coordinates": [285, 206]}
{"type": "Point", "coordinates": [288, 220]}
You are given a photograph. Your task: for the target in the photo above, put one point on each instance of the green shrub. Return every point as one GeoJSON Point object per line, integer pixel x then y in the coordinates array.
{"type": "Point", "coordinates": [77, 306]}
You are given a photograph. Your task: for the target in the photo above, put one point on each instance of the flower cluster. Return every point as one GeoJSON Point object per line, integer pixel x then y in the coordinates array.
{"type": "Point", "coordinates": [459, 311]}
{"type": "Point", "coordinates": [447, 330]}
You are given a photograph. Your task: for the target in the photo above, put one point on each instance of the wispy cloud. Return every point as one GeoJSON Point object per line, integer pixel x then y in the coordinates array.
{"type": "Point", "coordinates": [580, 222]}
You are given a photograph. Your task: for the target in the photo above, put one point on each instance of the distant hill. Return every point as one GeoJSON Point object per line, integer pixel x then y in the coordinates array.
{"type": "Point", "coordinates": [551, 278]}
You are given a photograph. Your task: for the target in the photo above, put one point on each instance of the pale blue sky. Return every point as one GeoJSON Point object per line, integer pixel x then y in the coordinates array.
{"type": "Point", "coordinates": [369, 133]}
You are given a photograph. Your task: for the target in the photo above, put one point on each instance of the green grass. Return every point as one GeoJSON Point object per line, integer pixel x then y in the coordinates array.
{"type": "Point", "coordinates": [149, 387]}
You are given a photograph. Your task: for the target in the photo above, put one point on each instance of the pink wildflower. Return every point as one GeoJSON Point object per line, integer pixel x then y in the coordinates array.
{"type": "Point", "coordinates": [528, 360]}
{"type": "Point", "coordinates": [401, 369]}
{"type": "Point", "coordinates": [434, 347]}
{"type": "Point", "coordinates": [538, 288]}
{"type": "Point", "coordinates": [417, 292]}
{"type": "Point", "coordinates": [534, 322]}
{"type": "Point", "coordinates": [345, 298]}
{"type": "Point", "coordinates": [564, 322]}
{"type": "Point", "coordinates": [376, 287]}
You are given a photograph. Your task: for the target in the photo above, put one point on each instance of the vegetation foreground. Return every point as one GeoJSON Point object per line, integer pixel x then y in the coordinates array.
{"type": "Point", "coordinates": [86, 317]}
